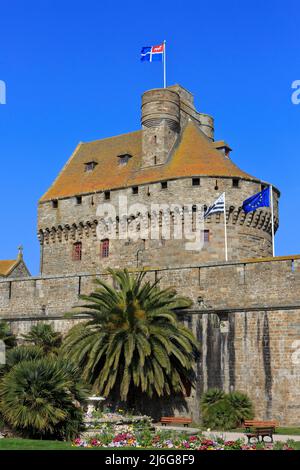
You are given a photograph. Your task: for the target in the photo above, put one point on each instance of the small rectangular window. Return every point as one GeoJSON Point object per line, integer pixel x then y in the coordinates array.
{"type": "Point", "coordinates": [205, 236]}
{"type": "Point", "coordinates": [107, 195]}
{"type": "Point", "coordinates": [124, 159]}
{"type": "Point", "coordinates": [235, 182]}
{"type": "Point", "coordinates": [164, 185]}
{"type": "Point", "coordinates": [90, 166]}
{"type": "Point", "coordinates": [78, 200]}
{"type": "Point", "coordinates": [105, 248]}
{"type": "Point", "coordinates": [135, 190]}
{"type": "Point", "coordinates": [196, 182]}
{"type": "Point", "coordinates": [77, 251]}
{"type": "Point", "coordinates": [55, 203]}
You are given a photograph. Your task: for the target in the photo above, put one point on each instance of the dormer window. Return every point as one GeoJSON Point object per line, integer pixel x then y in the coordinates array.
{"type": "Point", "coordinates": [223, 147]}
{"type": "Point", "coordinates": [90, 166]}
{"type": "Point", "coordinates": [124, 159]}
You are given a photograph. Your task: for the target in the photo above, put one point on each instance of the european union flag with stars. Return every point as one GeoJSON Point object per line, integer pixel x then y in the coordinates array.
{"type": "Point", "coordinates": [261, 199]}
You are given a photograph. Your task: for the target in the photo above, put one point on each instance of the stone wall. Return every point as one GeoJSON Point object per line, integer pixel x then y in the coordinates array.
{"type": "Point", "coordinates": [246, 315]}
{"type": "Point", "coordinates": [248, 235]}
{"type": "Point", "coordinates": [20, 270]}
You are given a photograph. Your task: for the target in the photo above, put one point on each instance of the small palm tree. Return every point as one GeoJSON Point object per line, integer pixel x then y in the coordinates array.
{"type": "Point", "coordinates": [225, 411]}
{"type": "Point", "coordinates": [242, 406]}
{"type": "Point", "coordinates": [40, 398]}
{"type": "Point", "coordinates": [6, 336]}
{"type": "Point", "coordinates": [22, 353]}
{"type": "Point", "coordinates": [133, 342]}
{"type": "Point", "coordinates": [45, 337]}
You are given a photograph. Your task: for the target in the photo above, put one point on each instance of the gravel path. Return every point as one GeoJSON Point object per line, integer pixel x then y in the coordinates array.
{"type": "Point", "coordinates": [229, 436]}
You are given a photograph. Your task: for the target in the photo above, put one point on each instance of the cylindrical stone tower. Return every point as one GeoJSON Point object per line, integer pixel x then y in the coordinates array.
{"type": "Point", "coordinates": [161, 106]}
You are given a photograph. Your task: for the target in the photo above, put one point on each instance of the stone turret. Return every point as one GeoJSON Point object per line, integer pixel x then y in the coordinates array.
{"type": "Point", "coordinates": [165, 112]}
{"type": "Point", "coordinates": [161, 125]}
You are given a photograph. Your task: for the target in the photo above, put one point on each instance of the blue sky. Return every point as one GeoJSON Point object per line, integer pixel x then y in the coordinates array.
{"type": "Point", "coordinates": [73, 74]}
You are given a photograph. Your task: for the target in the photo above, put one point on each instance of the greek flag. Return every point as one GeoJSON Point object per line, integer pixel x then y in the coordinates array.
{"type": "Point", "coordinates": [217, 206]}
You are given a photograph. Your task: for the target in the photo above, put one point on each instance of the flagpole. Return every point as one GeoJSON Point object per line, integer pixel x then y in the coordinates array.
{"type": "Point", "coordinates": [225, 230]}
{"type": "Point", "coordinates": [272, 215]}
{"type": "Point", "coordinates": [165, 65]}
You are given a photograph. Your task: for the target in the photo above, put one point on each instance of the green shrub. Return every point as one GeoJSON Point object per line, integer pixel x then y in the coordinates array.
{"type": "Point", "coordinates": [44, 336]}
{"type": "Point", "coordinates": [241, 405]}
{"type": "Point", "coordinates": [23, 353]}
{"type": "Point", "coordinates": [225, 411]}
{"type": "Point", "coordinates": [212, 396]}
{"type": "Point", "coordinates": [41, 398]}
{"type": "Point", "coordinates": [6, 335]}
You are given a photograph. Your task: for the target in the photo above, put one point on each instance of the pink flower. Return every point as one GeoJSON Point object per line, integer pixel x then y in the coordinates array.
{"type": "Point", "coordinates": [207, 442]}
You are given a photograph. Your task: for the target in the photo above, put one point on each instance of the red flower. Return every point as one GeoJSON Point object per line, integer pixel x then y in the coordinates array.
{"type": "Point", "coordinates": [207, 442]}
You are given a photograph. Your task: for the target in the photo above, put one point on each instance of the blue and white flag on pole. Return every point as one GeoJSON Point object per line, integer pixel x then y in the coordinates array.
{"type": "Point", "coordinates": [217, 206]}
{"type": "Point", "coordinates": [261, 199]}
{"type": "Point", "coordinates": [152, 53]}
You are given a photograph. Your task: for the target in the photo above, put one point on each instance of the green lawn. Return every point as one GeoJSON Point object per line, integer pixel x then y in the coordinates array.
{"type": "Point", "coordinates": [31, 444]}
{"type": "Point", "coordinates": [285, 431]}
{"type": "Point", "coordinates": [294, 431]}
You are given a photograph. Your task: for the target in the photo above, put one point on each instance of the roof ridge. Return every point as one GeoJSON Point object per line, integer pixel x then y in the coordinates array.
{"type": "Point", "coordinates": [111, 137]}
{"type": "Point", "coordinates": [63, 168]}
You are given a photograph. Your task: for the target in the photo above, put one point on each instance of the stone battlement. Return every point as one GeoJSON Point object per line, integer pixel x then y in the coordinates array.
{"type": "Point", "coordinates": [245, 314]}
{"type": "Point", "coordinates": [260, 282]}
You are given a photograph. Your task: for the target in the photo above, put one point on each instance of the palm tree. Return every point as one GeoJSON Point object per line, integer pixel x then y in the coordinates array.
{"type": "Point", "coordinates": [23, 353]}
{"type": "Point", "coordinates": [6, 336]}
{"type": "Point", "coordinates": [40, 398]}
{"type": "Point", "coordinates": [133, 341]}
{"type": "Point", "coordinates": [44, 336]}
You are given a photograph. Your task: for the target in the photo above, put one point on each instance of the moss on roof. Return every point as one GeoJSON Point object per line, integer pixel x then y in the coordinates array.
{"type": "Point", "coordinates": [6, 266]}
{"type": "Point", "coordinates": [193, 155]}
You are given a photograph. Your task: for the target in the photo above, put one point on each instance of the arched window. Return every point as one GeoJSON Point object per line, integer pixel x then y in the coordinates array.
{"type": "Point", "coordinates": [77, 251]}
{"type": "Point", "coordinates": [104, 248]}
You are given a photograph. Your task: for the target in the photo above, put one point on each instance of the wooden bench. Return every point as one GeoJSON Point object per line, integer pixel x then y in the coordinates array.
{"type": "Point", "coordinates": [257, 429]}
{"type": "Point", "coordinates": [175, 420]}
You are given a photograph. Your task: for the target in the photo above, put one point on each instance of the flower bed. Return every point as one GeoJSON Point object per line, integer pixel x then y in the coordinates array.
{"type": "Point", "coordinates": [101, 419]}
{"type": "Point", "coordinates": [167, 440]}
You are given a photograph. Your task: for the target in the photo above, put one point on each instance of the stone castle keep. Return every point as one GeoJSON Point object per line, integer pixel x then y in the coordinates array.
{"type": "Point", "coordinates": [246, 311]}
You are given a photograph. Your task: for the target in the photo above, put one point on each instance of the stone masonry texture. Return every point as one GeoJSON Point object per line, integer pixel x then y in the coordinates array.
{"type": "Point", "coordinates": [246, 316]}
{"type": "Point", "coordinates": [246, 311]}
